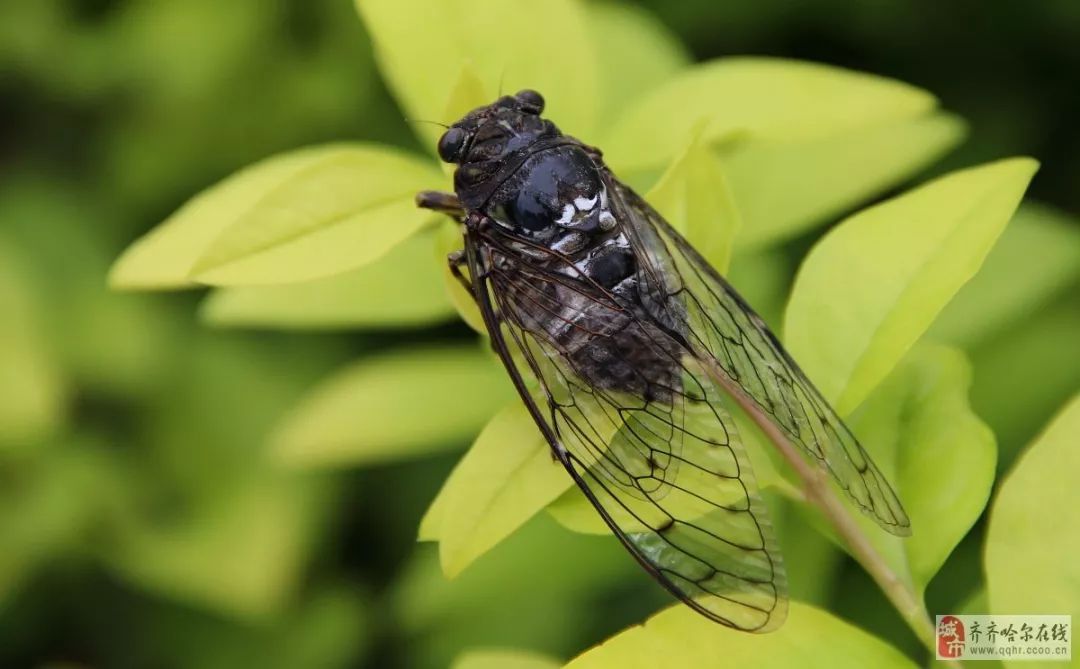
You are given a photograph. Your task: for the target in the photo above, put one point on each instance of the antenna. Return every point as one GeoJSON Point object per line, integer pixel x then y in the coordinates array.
{"type": "Point", "coordinates": [420, 120]}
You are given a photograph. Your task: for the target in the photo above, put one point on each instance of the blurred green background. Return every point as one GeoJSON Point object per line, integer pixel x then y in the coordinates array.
{"type": "Point", "coordinates": [142, 525]}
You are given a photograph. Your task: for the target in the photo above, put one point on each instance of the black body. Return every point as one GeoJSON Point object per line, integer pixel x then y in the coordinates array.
{"type": "Point", "coordinates": [626, 348]}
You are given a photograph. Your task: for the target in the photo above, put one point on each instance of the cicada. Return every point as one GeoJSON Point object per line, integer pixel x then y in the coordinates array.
{"type": "Point", "coordinates": [628, 350]}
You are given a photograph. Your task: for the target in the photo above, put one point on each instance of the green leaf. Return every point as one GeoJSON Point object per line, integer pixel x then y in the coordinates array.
{"type": "Point", "coordinates": [1033, 539]}
{"type": "Point", "coordinates": [870, 288]}
{"type": "Point", "coordinates": [421, 46]}
{"type": "Point", "coordinates": [1033, 355]}
{"type": "Point", "coordinates": [813, 562]}
{"type": "Point", "coordinates": [693, 195]}
{"type": "Point", "coordinates": [503, 659]}
{"type": "Point", "coordinates": [394, 406]}
{"type": "Point", "coordinates": [783, 187]}
{"type": "Point", "coordinates": [329, 628]}
{"type": "Point", "coordinates": [764, 279]}
{"type": "Point", "coordinates": [574, 512]}
{"type": "Point", "coordinates": [431, 522]}
{"type": "Point", "coordinates": [756, 98]}
{"type": "Point", "coordinates": [635, 53]}
{"type": "Point", "coordinates": [206, 424]}
{"type": "Point", "coordinates": [164, 257]}
{"type": "Point", "coordinates": [976, 603]}
{"type": "Point", "coordinates": [32, 402]}
{"type": "Point", "coordinates": [680, 637]}
{"type": "Point", "coordinates": [504, 480]}
{"type": "Point", "coordinates": [241, 553]}
{"type": "Point", "coordinates": [103, 341]}
{"type": "Point", "coordinates": [922, 433]}
{"type": "Point", "coordinates": [403, 288]}
{"type": "Point", "coordinates": [557, 572]}
{"type": "Point", "coordinates": [1037, 257]}
{"type": "Point", "coordinates": [341, 211]}
{"type": "Point", "coordinates": [54, 500]}
{"type": "Point", "coordinates": [467, 93]}
{"type": "Point", "coordinates": [215, 523]}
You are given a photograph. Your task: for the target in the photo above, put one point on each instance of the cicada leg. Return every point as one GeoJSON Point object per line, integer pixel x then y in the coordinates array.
{"type": "Point", "coordinates": [444, 203]}
{"type": "Point", "coordinates": [457, 260]}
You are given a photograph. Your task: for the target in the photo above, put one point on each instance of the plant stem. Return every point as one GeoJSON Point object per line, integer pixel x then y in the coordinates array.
{"type": "Point", "coordinates": [819, 493]}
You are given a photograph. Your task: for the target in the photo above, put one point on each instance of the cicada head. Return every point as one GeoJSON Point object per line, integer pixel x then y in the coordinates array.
{"type": "Point", "coordinates": [481, 141]}
{"type": "Point", "coordinates": [490, 131]}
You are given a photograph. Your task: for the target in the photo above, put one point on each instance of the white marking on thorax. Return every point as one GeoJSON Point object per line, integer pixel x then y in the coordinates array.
{"type": "Point", "coordinates": [568, 212]}
{"type": "Point", "coordinates": [585, 204]}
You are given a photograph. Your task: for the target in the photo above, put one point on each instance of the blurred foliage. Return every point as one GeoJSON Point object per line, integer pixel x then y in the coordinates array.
{"type": "Point", "coordinates": [1024, 513]}
{"type": "Point", "coordinates": [152, 512]}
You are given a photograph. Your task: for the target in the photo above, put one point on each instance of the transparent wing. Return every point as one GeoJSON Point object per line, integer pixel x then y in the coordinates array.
{"type": "Point", "coordinates": [723, 328]}
{"type": "Point", "coordinates": [639, 425]}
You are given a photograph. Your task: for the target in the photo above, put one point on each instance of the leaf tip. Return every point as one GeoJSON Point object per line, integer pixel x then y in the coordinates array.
{"type": "Point", "coordinates": [133, 271]}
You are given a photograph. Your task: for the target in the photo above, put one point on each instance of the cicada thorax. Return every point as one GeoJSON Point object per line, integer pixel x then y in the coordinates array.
{"type": "Point", "coordinates": [558, 219]}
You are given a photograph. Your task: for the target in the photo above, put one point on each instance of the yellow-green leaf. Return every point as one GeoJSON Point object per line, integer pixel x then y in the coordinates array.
{"type": "Point", "coordinates": [763, 278]}
{"type": "Point", "coordinates": [693, 195]}
{"type": "Point", "coordinates": [421, 46]}
{"type": "Point", "coordinates": [759, 98]}
{"type": "Point", "coordinates": [870, 288]}
{"type": "Point", "coordinates": [1033, 538]}
{"type": "Point", "coordinates": [341, 211]}
{"type": "Point", "coordinates": [403, 288]}
{"type": "Point", "coordinates": [814, 563]}
{"type": "Point", "coordinates": [431, 522]}
{"type": "Point", "coordinates": [574, 512]}
{"type": "Point", "coordinates": [467, 93]}
{"type": "Point", "coordinates": [503, 659]}
{"type": "Point", "coordinates": [921, 431]}
{"type": "Point", "coordinates": [1037, 257]}
{"type": "Point", "coordinates": [105, 342]}
{"type": "Point", "coordinates": [329, 627]}
{"type": "Point", "coordinates": [164, 257]}
{"type": "Point", "coordinates": [1033, 355]}
{"type": "Point", "coordinates": [31, 384]}
{"type": "Point", "coordinates": [393, 406]}
{"type": "Point", "coordinates": [783, 187]}
{"type": "Point", "coordinates": [506, 478]}
{"type": "Point", "coordinates": [541, 563]}
{"type": "Point", "coordinates": [680, 637]}
{"type": "Point", "coordinates": [635, 52]}
{"type": "Point", "coordinates": [241, 553]}
{"type": "Point", "coordinates": [54, 500]}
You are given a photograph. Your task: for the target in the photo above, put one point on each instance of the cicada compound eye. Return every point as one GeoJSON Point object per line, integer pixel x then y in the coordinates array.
{"type": "Point", "coordinates": [450, 145]}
